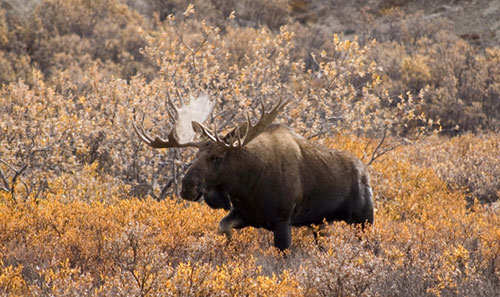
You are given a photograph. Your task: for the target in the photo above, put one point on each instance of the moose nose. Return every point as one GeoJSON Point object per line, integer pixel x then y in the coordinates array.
{"type": "Point", "coordinates": [189, 190]}
{"type": "Point", "coordinates": [185, 192]}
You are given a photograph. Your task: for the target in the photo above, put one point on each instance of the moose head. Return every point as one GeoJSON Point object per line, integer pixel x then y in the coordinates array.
{"type": "Point", "coordinates": [209, 166]}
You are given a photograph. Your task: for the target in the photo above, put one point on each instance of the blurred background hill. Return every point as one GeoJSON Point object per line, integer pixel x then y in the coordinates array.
{"type": "Point", "coordinates": [449, 48]}
{"type": "Point", "coordinates": [477, 20]}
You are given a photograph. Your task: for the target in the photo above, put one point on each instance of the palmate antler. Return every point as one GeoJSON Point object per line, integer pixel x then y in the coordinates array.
{"type": "Point", "coordinates": [158, 142]}
{"type": "Point", "coordinates": [182, 134]}
{"type": "Point", "coordinates": [242, 135]}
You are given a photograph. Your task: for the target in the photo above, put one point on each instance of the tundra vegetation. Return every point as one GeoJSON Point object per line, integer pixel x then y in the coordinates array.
{"type": "Point", "coordinates": [87, 210]}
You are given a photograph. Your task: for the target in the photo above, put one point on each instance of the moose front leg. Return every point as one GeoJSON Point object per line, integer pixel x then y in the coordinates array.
{"type": "Point", "coordinates": [232, 220]}
{"type": "Point", "coordinates": [282, 235]}
{"type": "Point", "coordinates": [217, 198]}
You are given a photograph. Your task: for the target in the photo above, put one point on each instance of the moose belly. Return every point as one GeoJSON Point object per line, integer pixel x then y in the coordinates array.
{"type": "Point", "coordinates": [255, 215]}
{"type": "Point", "coordinates": [320, 209]}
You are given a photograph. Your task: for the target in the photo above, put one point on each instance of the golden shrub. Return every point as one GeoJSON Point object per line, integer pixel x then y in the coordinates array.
{"type": "Point", "coordinates": [466, 162]}
{"type": "Point", "coordinates": [424, 241]}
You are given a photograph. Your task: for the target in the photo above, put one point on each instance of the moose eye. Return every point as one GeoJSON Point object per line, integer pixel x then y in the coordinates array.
{"type": "Point", "coordinates": [215, 159]}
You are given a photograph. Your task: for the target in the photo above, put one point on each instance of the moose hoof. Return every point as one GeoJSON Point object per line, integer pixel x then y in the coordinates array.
{"type": "Point", "coordinates": [226, 231]}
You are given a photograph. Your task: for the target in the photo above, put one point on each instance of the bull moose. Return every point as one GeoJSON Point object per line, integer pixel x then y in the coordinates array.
{"type": "Point", "coordinates": [265, 174]}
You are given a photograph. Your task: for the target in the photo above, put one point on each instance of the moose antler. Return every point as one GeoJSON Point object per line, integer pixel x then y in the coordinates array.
{"type": "Point", "coordinates": [182, 135]}
{"type": "Point", "coordinates": [266, 118]}
{"type": "Point", "coordinates": [236, 138]}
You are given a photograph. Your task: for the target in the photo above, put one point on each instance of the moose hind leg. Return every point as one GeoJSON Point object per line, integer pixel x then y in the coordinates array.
{"type": "Point", "coordinates": [363, 211]}
{"type": "Point", "coordinates": [232, 220]}
{"type": "Point", "coordinates": [282, 235]}
{"type": "Point", "coordinates": [366, 217]}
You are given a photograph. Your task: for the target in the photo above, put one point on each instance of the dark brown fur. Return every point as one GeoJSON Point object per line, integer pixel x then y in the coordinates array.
{"type": "Point", "coordinates": [279, 180]}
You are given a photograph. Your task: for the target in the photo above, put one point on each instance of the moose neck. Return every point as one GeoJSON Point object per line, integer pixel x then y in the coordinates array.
{"type": "Point", "coordinates": [242, 171]}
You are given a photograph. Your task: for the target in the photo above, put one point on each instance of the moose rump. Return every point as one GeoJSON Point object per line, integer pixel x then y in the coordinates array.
{"type": "Point", "coordinates": [335, 188]}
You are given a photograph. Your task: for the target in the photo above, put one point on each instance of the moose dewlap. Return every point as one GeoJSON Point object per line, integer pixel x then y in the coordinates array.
{"type": "Point", "coordinates": [268, 176]}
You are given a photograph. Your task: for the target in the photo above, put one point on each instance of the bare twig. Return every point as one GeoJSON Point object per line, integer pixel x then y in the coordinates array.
{"type": "Point", "coordinates": [5, 185]}
{"type": "Point", "coordinates": [14, 180]}
{"type": "Point", "coordinates": [29, 161]}
{"type": "Point", "coordinates": [379, 145]}
{"type": "Point", "coordinates": [383, 152]}
{"type": "Point", "coordinates": [380, 150]}
{"type": "Point", "coordinates": [8, 165]}
{"type": "Point", "coordinates": [366, 147]}
{"type": "Point", "coordinates": [322, 132]}
{"type": "Point", "coordinates": [189, 48]}
{"type": "Point", "coordinates": [11, 188]}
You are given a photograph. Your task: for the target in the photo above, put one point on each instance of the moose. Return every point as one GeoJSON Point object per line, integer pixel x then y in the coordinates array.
{"type": "Point", "coordinates": [265, 174]}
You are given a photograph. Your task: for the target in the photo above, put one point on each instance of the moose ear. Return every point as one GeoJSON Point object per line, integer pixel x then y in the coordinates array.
{"type": "Point", "coordinates": [197, 127]}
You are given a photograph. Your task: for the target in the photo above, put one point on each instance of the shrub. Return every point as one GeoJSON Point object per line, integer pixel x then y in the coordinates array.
{"type": "Point", "coordinates": [458, 79]}
{"type": "Point", "coordinates": [424, 242]}
{"type": "Point", "coordinates": [465, 162]}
